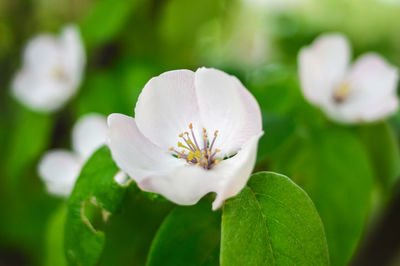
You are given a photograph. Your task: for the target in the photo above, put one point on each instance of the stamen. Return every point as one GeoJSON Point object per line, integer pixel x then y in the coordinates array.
{"type": "Point", "coordinates": [189, 143]}
{"type": "Point", "coordinates": [180, 145]}
{"type": "Point", "coordinates": [212, 142]}
{"type": "Point", "coordinates": [204, 157]}
{"type": "Point", "coordinates": [194, 137]}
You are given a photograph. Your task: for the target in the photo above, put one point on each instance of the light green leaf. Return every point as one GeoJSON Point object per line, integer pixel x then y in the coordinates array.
{"type": "Point", "coordinates": [333, 167]}
{"type": "Point", "coordinates": [105, 20]}
{"type": "Point", "coordinates": [22, 150]}
{"type": "Point", "coordinates": [383, 150]}
{"type": "Point", "coordinates": [272, 222]}
{"type": "Point", "coordinates": [95, 197]}
{"type": "Point", "coordinates": [275, 87]}
{"type": "Point", "coordinates": [188, 236]}
{"type": "Point", "coordinates": [55, 238]}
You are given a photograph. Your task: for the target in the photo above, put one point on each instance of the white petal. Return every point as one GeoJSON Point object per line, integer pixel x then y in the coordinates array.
{"type": "Point", "coordinates": [375, 85]}
{"type": "Point", "coordinates": [373, 96]}
{"type": "Point", "coordinates": [183, 185]}
{"type": "Point", "coordinates": [236, 171]}
{"type": "Point", "coordinates": [38, 92]}
{"type": "Point", "coordinates": [59, 170]}
{"type": "Point", "coordinates": [42, 53]}
{"type": "Point", "coordinates": [227, 106]}
{"type": "Point", "coordinates": [73, 53]}
{"type": "Point", "coordinates": [89, 134]}
{"type": "Point", "coordinates": [133, 152]}
{"type": "Point", "coordinates": [322, 66]}
{"type": "Point", "coordinates": [166, 107]}
{"type": "Point", "coordinates": [187, 184]}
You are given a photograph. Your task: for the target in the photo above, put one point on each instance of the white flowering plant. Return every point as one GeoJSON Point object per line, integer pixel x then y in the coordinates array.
{"type": "Point", "coordinates": [199, 133]}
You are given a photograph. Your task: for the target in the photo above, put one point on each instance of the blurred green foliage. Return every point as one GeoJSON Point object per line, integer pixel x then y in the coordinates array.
{"type": "Point", "coordinates": [128, 42]}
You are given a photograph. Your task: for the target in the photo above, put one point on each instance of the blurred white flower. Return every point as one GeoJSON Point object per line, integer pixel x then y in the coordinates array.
{"type": "Point", "coordinates": [52, 70]}
{"type": "Point", "coordinates": [59, 169]}
{"type": "Point", "coordinates": [363, 92]}
{"type": "Point", "coordinates": [194, 133]}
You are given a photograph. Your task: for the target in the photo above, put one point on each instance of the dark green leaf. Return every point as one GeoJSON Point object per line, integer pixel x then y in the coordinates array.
{"type": "Point", "coordinates": [272, 222]}
{"type": "Point", "coordinates": [140, 217]}
{"type": "Point", "coordinates": [95, 196]}
{"type": "Point", "coordinates": [278, 130]}
{"type": "Point", "coordinates": [333, 167]}
{"type": "Point", "coordinates": [383, 150]}
{"type": "Point", "coordinates": [188, 236]}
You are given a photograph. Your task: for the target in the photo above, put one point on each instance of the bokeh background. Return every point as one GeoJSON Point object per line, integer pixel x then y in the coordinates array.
{"type": "Point", "coordinates": [350, 172]}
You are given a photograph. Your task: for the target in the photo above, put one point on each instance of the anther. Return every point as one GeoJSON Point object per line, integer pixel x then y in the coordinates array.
{"type": "Point", "coordinates": [216, 133]}
{"type": "Point", "coordinates": [181, 135]}
{"type": "Point", "coordinates": [190, 126]}
{"type": "Point", "coordinates": [171, 149]}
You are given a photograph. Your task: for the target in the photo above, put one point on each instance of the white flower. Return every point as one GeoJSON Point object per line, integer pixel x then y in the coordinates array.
{"type": "Point", "coordinates": [59, 169]}
{"type": "Point", "coordinates": [51, 72]}
{"type": "Point", "coordinates": [363, 92]}
{"type": "Point", "coordinates": [194, 133]}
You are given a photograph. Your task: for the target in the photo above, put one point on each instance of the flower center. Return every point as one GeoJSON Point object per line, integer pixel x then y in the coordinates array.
{"type": "Point", "coordinates": [201, 154]}
{"type": "Point", "coordinates": [341, 93]}
{"type": "Point", "coordinates": [59, 73]}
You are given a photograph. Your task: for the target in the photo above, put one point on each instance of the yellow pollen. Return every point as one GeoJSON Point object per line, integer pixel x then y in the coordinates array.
{"type": "Point", "coordinates": [190, 126]}
{"type": "Point", "coordinates": [204, 130]}
{"type": "Point", "coordinates": [186, 133]}
{"type": "Point", "coordinates": [171, 149]}
{"type": "Point", "coordinates": [190, 156]}
{"type": "Point", "coordinates": [205, 137]}
{"type": "Point", "coordinates": [181, 135]}
{"type": "Point", "coordinates": [216, 150]}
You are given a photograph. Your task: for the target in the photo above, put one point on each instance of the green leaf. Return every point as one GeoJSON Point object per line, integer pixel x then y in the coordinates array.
{"type": "Point", "coordinates": [95, 197]}
{"type": "Point", "coordinates": [27, 126]}
{"type": "Point", "coordinates": [105, 20]}
{"type": "Point", "coordinates": [279, 129]}
{"type": "Point", "coordinates": [140, 217]}
{"type": "Point", "coordinates": [55, 238]}
{"type": "Point", "coordinates": [383, 151]}
{"type": "Point", "coordinates": [188, 236]}
{"type": "Point", "coordinates": [332, 166]}
{"type": "Point", "coordinates": [272, 222]}
{"type": "Point", "coordinates": [275, 87]}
